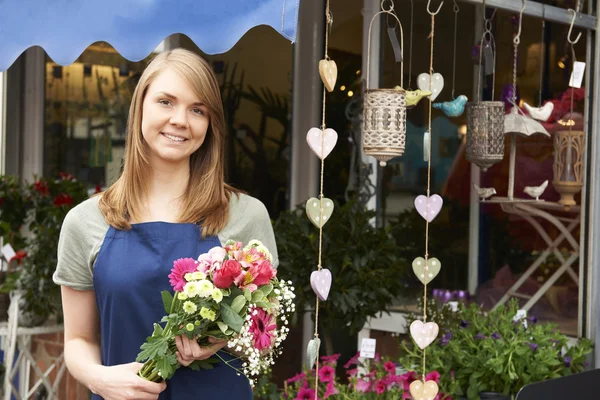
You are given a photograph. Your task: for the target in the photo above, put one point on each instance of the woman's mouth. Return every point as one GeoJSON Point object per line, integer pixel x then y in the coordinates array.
{"type": "Point", "coordinates": [174, 138]}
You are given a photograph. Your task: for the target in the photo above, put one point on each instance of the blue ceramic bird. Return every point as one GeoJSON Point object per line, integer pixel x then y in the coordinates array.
{"type": "Point", "coordinates": [453, 108]}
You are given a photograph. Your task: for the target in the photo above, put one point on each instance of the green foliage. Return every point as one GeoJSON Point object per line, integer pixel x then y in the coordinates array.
{"type": "Point", "coordinates": [365, 263]}
{"type": "Point", "coordinates": [264, 389]}
{"type": "Point", "coordinates": [479, 351]}
{"type": "Point", "coordinates": [13, 211]}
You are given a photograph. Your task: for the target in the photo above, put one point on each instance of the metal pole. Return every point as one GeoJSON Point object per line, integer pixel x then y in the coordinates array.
{"type": "Point", "coordinates": [535, 9]}
{"type": "Point", "coordinates": [2, 122]}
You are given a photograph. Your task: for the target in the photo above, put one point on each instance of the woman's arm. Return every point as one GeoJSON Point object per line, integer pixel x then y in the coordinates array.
{"type": "Point", "coordinates": [83, 357]}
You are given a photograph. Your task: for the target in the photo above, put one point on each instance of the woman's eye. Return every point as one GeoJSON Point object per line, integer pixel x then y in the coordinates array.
{"type": "Point", "coordinates": [198, 111]}
{"type": "Point", "coordinates": [165, 102]}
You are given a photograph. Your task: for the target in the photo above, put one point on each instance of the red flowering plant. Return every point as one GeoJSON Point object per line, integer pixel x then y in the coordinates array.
{"type": "Point", "coordinates": [231, 293]}
{"type": "Point", "coordinates": [45, 203]}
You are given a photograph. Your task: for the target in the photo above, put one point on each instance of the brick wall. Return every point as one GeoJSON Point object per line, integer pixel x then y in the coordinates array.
{"type": "Point", "coordinates": [45, 349]}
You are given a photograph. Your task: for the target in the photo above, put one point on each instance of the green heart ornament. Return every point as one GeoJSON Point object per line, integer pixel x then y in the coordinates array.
{"type": "Point", "coordinates": [426, 272]}
{"type": "Point", "coordinates": [313, 207]}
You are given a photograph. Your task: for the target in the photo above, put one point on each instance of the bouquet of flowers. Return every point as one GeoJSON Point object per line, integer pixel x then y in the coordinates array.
{"type": "Point", "coordinates": [229, 293]}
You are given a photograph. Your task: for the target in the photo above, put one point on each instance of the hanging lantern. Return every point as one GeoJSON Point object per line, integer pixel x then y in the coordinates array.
{"type": "Point", "coordinates": [384, 129]}
{"type": "Point", "coordinates": [384, 110]}
{"type": "Point", "coordinates": [485, 133]}
{"type": "Point", "coordinates": [569, 148]}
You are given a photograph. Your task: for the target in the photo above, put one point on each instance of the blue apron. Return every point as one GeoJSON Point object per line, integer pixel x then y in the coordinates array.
{"type": "Point", "coordinates": [131, 270]}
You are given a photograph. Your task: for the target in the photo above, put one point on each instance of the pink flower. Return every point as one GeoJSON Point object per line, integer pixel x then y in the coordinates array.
{"type": "Point", "coordinates": [390, 367]}
{"type": "Point", "coordinates": [261, 328]}
{"type": "Point", "coordinates": [296, 377]}
{"type": "Point", "coordinates": [217, 254]}
{"type": "Point", "coordinates": [352, 372]}
{"type": "Point", "coordinates": [433, 376]}
{"type": "Point", "coordinates": [264, 273]}
{"type": "Point", "coordinates": [305, 394]}
{"type": "Point", "coordinates": [326, 373]}
{"type": "Point", "coordinates": [244, 281]}
{"type": "Point", "coordinates": [181, 267]}
{"type": "Point", "coordinates": [331, 389]}
{"type": "Point", "coordinates": [330, 359]}
{"type": "Point", "coordinates": [353, 360]}
{"type": "Point", "coordinates": [224, 277]}
{"type": "Point", "coordinates": [363, 386]}
{"type": "Point", "coordinates": [380, 387]}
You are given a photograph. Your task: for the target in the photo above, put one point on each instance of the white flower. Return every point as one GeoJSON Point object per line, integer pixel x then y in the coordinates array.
{"type": "Point", "coordinates": [205, 288]}
{"type": "Point", "coordinates": [192, 289]}
{"type": "Point", "coordinates": [217, 295]}
{"type": "Point", "coordinates": [217, 254]}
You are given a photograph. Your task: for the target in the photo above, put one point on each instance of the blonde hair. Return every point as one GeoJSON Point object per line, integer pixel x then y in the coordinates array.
{"type": "Point", "coordinates": [206, 199]}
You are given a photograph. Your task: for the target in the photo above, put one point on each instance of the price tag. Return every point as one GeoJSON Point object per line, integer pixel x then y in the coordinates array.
{"type": "Point", "coordinates": [367, 348]}
{"type": "Point", "coordinates": [577, 74]}
{"type": "Point", "coordinates": [7, 252]}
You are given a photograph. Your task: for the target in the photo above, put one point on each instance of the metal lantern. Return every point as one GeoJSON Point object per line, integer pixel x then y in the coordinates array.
{"type": "Point", "coordinates": [384, 110]}
{"type": "Point", "coordinates": [485, 133]}
{"type": "Point", "coordinates": [384, 123]}
{"type": "Point", "coordinates": [569, 148]}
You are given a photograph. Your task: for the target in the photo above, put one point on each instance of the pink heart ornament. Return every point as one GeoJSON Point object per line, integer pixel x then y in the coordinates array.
{"type": "Point", "coordinates": [320, 281]}
{"type": "Point", "coordinates": [429, 207]}
{"type": "Point", "coordinates": [424, 334]}
{"type": "Point", "coordinates": [314, 137]}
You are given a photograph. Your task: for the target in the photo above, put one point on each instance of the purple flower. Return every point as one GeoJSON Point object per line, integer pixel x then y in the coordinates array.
{"type": "Point", "coordinates": [567, 360]}
{"type": "Point", "coordinates": [446, 338]}
{"type": "Point", "coordinates": [480, 336]}
{"type": "Point", "coordinates": [495, 335]}
{"type": "Point", "coordinates": [533, 346]}
{"type": "Point", "coordinates": [464, 324]}
{"type": "Point", "coordinates": [533, 319]}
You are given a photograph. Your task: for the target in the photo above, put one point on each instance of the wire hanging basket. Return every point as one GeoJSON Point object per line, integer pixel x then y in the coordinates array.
{"type": "Point", "coordinates": [384, 111]}
{"type": "Point", "coordinates": [485, 121]}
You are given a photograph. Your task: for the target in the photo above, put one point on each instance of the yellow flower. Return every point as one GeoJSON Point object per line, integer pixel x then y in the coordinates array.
{"type": "Point", "coordinates": [189, 327]}
{"type": "Point", "coordinates": [192, 289]}
{"type": "Point", "coordinates": [189, 307]}
{"type": "Point", "coordinates": [188, 277]}
{"type": "Point", "coordinates": [205, 288]}
{"type": "Point", "coordinates": [208, 314]}
{"type": "Point", "coordinates": [198, 276]}
{"type": "Point", "coordinates": [182, 296]}
{"type": "Point", "coordinates": [217, 295]}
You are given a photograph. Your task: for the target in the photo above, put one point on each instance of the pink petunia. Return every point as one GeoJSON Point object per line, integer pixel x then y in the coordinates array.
{"type": "Point", "coordinates": [390, 367]}
{"type": "Point", "coordinates": [352, 372]}
{"type": "Point", "coordinates": [326, 373]}
{"type": "Point", "coordinates": [305, 394]}
{"type": "Point", "coordinates": [181, 267]}
{"type": "Point", "coordinates": [363, 386]}
{"type": "Point", "coordinates": [380, 387]}
{"type": "Point", "coordinates": [353, 360]}
{"type": "Point", "coordinates": [330, 390]}
{"type": "Point", "coordinates": [261, 328]}
{"type": "Point", "coordinates": [330, 359]}
{"type": "Point", "coordinates": [433, 376]}
{"type": "Point", "coordinates": [296, 377]}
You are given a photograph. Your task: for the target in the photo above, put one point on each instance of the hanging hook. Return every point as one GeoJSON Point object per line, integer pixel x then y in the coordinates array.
{"type": "Point", "coordinates": [571, 28]}
{"type": "Point", "coordinates": [517, 38]}
{"type": "Point", "coordinates": [455, 8]}
{"type": "Point", "coordinates": [437, 11]}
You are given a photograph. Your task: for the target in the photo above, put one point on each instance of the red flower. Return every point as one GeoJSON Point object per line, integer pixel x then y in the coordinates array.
{"type": "Point", "coordinates": [264, 273]}
{"type": "Point", "coordinates": [261, 328]}
{"type": "Point", "coordinates": [98, 189]}
{"type": "Point", "coordinates": [181, 267]}
{"type": "Point", "coordinates": [19, 256]}
{"type": "Point", "coordinates": [390, 367]}
{"type": "Point", "coordinates": [380, 387]}
{"type": "Point", "coordinates": [41, 187]}
{"type": "Point", "coordinates": [66, 177]}
{"type": "Point", "coordinates": [63, 199]}
{"type": "Point", "coordinates": [224, 277]}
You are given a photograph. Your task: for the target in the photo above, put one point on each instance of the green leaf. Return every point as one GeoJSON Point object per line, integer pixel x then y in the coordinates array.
{"type": "Point", "coordinates": [231, 318]}
{"type": "Point", "coordinates": [223, 327]}
{"type": "Point", "coordinates": [311, 352]}
{"type": "Point", "coordinates": [167, 299]}
{"type": "Point", "coordinates": [265, 304]}
{"type": "Point", "coordinates": [203, 364]}
{"type": "Point", "coordinates": [158, 330]}
{"type": "Point", "coordinates": [166, 365]}
{"type": "Point", "coordinates": [154, 347]}
{"type": "Point", "coordinates": [247, 294]}
{"type": "Point", "coordinates": [266, 289]}
{"type": "Point", "coordinates": [257, 296]}
{"type": "Point", "coordinates": [238, 303]}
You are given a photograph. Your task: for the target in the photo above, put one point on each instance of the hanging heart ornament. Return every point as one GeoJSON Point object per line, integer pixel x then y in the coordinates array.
{"type": "Point", "coordinates": [423, 334]}
{"type": "Point", "coordinates": [420, 391]}
{"type": "Point", "coordinates": [429, 207]}
{"type": "Point", "coordinates": [315, 140]}
{"type": "Point", "coordinates": [313, 206]}
{"type": "Point", "coordinates": [320, 281]}
{"type": "Point", "coordinates": [328, 72]}
{"type": "Point", "coordinates": [426, 271]}
{"type": "Point", "coordinates": [437, 84]}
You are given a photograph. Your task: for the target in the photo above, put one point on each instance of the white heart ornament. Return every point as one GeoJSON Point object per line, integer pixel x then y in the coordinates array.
{"type": "Point", "coordinates": [423, 391]}
{"type": "Point", "coordinates": [429, 207]}
{"type": "Point", "coordinates": [320, 281]}
{"type": "Point", "coordinates": [328, 71]}
{"type": "Point", "coordinates": [437, 84]}
{"type": "Point", "coordinates": [423, 334]}
{"type": "Point", "coordinates": [315, 140]}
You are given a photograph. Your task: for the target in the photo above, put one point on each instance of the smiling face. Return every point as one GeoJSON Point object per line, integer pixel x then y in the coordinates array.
{"type": "Point", "coordinates": [174, 120]}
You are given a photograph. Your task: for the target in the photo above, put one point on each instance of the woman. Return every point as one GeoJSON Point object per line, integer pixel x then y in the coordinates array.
{"type": "Point", "coordinates": [116, 249]}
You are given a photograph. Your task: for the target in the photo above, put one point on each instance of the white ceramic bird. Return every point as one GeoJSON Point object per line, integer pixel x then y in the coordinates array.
{"type": "Point", "coordinates": [540, 113]}
{"type": "Point", "coordinates": [484, 193]}
{"type": "Point", "coordinates": [536, 191]}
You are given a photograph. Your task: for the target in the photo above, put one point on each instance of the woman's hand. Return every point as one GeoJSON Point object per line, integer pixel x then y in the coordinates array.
{"type": "Point", "coordinates": [121, 382]}
{"type": "Point", "coordinates": [189, 350]}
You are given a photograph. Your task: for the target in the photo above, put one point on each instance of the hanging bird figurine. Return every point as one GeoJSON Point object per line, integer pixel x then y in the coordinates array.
{"type": "Point", "coordinates": [414, 96]}
{"type": "Point", "coordinates": [536, 191]}
{"type": "Point", "coordinates": [453, 108]}
{"type": "Point", "coordinates": [540, 113]}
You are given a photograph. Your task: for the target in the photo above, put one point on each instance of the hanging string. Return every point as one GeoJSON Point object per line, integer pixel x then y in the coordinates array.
{"type": "Point", "coordinates": [542, 54]}
{"type": "Point", "coordinates": [328, 22]}
{"type": "Point", "coordinates": [456, 10]}
{"type": "Point", "coordinates": [410, 46]}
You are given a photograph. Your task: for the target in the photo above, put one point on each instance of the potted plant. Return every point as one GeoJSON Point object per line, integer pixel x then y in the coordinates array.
{"type": "Point", "coordinates": [48, 202]}
{"type": "Point", "coordinates": [491, 354]}
{"type": "Point", "coordinates": [364, 261]}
